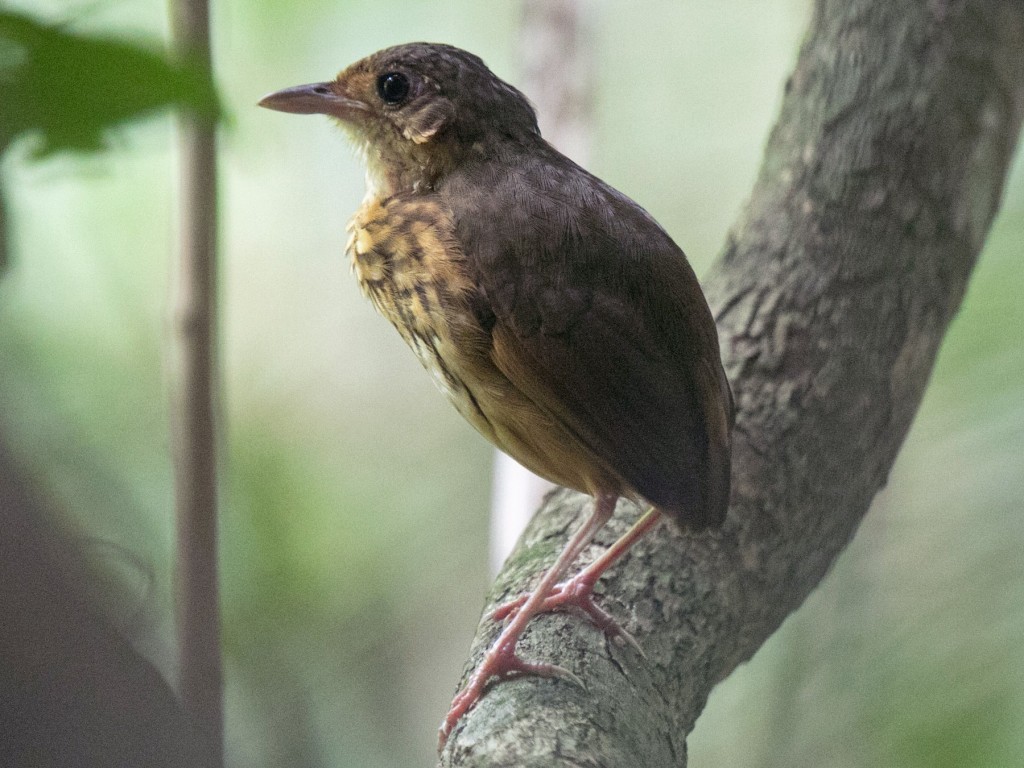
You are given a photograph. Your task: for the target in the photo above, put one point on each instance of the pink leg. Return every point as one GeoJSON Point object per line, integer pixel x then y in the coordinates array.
{"type": "Point", "coordinates": [501, 660]}
{"type": "Point", "coordinates": [577, 594]}
{"type": "Point", "coordinates": [596, 569]}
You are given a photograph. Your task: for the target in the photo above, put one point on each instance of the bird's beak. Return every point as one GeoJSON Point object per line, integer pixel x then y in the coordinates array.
{"type": "Point", "coordinates": [314, 99]}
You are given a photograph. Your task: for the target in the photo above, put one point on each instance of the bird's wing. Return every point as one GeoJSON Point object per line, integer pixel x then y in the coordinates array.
{"type": "Point", "coordinates": [600, 321]}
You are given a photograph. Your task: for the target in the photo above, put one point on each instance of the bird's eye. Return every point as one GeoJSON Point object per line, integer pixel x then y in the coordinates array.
{"type": "Point", "coordinates": [393, 87]}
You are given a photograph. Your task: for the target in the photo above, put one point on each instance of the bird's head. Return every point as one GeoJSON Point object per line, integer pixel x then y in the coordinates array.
{"type": "Point", "coordinates": [416, 111]}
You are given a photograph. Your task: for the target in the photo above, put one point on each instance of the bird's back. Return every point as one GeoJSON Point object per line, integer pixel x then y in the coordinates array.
{"type": "Point", "coordinates": [594, 316]}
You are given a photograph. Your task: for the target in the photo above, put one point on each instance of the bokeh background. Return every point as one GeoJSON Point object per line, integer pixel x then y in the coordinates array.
{"type": "Point", "coordinates": [354, 531]}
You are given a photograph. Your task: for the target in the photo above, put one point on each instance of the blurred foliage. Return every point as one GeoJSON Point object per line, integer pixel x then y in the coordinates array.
{"type": "Point", "coordinates": [69, 90]}
{"type": "Point", "coordinates": [72, 88]}
{"type": "Point", "coordinates": [354, 529]}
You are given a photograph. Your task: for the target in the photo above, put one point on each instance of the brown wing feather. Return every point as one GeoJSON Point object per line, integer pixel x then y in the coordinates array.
{"type": "Point", "coordinates": [598, 319]}
{"type": "Point", "coordinates": [622, 405]}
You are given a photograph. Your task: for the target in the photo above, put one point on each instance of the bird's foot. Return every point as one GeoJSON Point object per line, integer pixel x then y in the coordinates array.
{"type": "Point", "coordinates": [573, 596]}
{"type": "Point", "coordinates": [500, 663]}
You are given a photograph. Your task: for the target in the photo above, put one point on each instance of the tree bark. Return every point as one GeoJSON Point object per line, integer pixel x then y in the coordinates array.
{"type": "Point", "coordinates": [834, 290]}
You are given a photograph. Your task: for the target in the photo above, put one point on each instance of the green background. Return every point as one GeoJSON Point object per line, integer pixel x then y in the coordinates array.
{"type": "Point", "coordinates": [355, 499]}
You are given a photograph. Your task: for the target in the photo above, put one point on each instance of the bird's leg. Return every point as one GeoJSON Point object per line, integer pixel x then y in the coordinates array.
{"type": "Point", "coordinates": [577, 594]}
{"type": "Point", "coordinates": [501, 660]}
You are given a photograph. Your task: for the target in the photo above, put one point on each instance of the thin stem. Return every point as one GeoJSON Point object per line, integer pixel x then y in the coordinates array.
{"type": "Point", "coordinates": [194, 403]}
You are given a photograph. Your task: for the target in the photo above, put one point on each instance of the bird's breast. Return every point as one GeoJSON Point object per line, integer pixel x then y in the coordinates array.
{"type": "Point", "coordinates": [412, 270]}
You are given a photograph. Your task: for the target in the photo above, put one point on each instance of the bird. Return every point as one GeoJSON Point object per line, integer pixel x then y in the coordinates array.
{"type": "Point", "coordinates": [561, 320]}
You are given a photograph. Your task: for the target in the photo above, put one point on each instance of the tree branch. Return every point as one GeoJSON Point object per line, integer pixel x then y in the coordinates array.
{"type": "Point", "coordinates": [835, 288]}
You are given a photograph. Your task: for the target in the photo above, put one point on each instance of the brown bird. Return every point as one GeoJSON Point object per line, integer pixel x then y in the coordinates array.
{"type": "Point", "coordinates": [555, 313]}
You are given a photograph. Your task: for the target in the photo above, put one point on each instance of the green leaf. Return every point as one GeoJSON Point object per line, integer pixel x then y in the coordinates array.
{"type": "Point", "coordinates": [72, 89]}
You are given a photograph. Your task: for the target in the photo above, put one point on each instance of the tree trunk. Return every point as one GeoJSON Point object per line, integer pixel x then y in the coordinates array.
{"type": "Point", "coordinates": [834, 290]}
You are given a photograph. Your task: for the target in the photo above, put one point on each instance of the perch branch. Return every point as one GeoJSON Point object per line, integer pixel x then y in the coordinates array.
{"type": "Point", "coordinates": [879, 184]}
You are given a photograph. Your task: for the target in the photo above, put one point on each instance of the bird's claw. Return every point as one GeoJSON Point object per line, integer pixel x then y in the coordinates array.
{"type": "Point", "coordinates": [573, 596]}
{"type": "Point", "coordinates": [499, 664]}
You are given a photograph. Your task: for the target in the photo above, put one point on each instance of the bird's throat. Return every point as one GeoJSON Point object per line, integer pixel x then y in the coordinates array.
{"type": "Point", "coordinates": [392, 169]}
